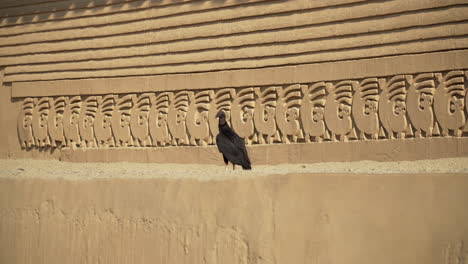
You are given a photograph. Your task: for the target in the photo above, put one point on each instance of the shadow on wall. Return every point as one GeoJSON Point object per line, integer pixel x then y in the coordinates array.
{"type": "Point", "coordinates": [28, 11]}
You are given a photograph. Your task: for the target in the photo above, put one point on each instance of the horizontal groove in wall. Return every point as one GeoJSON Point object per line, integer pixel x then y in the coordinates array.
{"type": "Point", "coordinates": [256, 51]}
{"type": "Point", "coordinates": [400, 48]}
{"type": "Point", "coordinates": [163, 17]}
{"type": "Point", "coordinates": [387, 24]}
{"type": "Point", "coordinates": [107, 12]}
{"type": "Point", "coordinates": [305, 73]}
{"type": "Point", "coordinates": [210, 30]}
{"type": "Point", "coordinates": [17, 3]}
{"type": "Point", "coordinates": [49, 8]}
{"type": "Point", "coordinates": [131, 15]}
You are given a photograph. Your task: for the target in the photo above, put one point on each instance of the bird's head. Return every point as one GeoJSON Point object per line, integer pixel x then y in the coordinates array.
{"type": "Point", "coordinates": [222, 117]}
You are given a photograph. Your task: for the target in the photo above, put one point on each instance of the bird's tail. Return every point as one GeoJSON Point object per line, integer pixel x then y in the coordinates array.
{"type": "Point", "coordinates": [246, 165]}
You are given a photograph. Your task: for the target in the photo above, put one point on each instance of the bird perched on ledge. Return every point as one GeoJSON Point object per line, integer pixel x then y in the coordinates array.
{"type": "Point", "coordinates": [231, 145]}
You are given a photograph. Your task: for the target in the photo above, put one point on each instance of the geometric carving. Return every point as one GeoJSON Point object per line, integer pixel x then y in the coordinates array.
{"type": "Point", "coordinates": [449, 102]}
{"type": "Point", "coordinates": [287, 112]}
{"type": "Point", "coordinates": [55, 123]}
{"type": "Point", "coordinates": [24, 123]}
{"type": "Point", "coordinates": [265, 115]}
{"type": "Point", "coordinates": [197, 118]}
{"type": "Point", "coordinates": [365, 108]}
{"type": "Point", "coordinates": [387, 107]}
{"type": "Point", "coordinates": [139, 125]}
{"type": "Point", "coordinates": [242, 114]}
{"type": "Point", "coordinates": [392, 106]}
{"type": "Point", "coordinates": [71, 115]}
{"type": "Point", "coordinates": [338, 109]}
{"type": "Point", "coordinates": [312, 111]}
{"type": "Point", "coordinates": [466, 103]}
{"type": "Point", "coordinates": [177, 114]}
{"type": "Point", "coordinates": [40, 117]}
{"type": "Point", "coordinates": [121, 120]}
{"type": "Point", "coordinates": [86, 121]}
{"type": "Point", "coordinates": [158, 128]}
{"type": "Point", "coordinates": [220, 100]}
{"type": "Point", "coordinates": [103, 121]}
{"type": "Point", "coordinates": [419, 100]}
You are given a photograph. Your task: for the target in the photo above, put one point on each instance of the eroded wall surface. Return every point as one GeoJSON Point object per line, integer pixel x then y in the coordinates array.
{"type": "Point", "coordinates": [295, 218]}
{"type": "Point", "coordinates": [101, 78]}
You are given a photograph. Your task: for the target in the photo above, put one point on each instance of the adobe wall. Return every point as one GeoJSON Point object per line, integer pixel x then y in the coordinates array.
{"type": "Point", "coordinates": [302, 81]}
{"type": "Point", "coordinates": [352, 79]}
{"type": "Point", "coordinates": [152, 213]}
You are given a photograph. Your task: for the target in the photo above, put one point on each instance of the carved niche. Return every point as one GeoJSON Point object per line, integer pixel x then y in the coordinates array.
{"type": "Point", "coordinates": [338, 109]}
{"type": "Point", "coordinates": [419, 100]}
{"type": "Point", "coordinates": [158, 128]}
{"type": "Point", "coordinates": [312, 111]}
{"type": "Point", "coordinates": [449, 102]}
{"type": "Point", "coordinates": [265, 115]}
{"type": "Point", "coordinates": [365, 108]}
{"type": "Point", "coordinates": [392, 106]}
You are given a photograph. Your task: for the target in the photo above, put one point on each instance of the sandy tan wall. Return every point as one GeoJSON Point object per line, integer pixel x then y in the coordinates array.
{"type": "Point", "coordinates": [76, 39]}
{"type": "Point", "coordinates": [300, 218]}
{"type": "Point", "coordinates": [85, 80]}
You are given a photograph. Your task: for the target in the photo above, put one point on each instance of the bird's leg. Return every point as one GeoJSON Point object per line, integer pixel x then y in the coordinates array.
{"type": "Point", "coordinates": [233, 166]}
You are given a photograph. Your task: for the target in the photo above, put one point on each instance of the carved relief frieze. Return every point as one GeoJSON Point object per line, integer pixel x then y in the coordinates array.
{"type": "Point", "coordinates": [389, 107]}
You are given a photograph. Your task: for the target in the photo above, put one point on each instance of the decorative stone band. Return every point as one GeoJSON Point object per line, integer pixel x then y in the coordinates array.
{"type": "Point", "coordinates": [401, 106]}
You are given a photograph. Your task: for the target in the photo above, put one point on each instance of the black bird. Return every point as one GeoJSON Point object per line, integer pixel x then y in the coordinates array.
{"type": "Point", "coordinates": [231, 145]}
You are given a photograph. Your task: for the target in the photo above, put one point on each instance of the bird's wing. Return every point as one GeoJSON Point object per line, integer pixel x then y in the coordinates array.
{"type": "Point", "coordinates": [240, 144]}
{"type": "Point", "coordinates": [229, 149]}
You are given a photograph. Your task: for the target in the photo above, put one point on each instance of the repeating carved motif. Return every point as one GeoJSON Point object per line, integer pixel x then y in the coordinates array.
{"type": "Point", "coordinates": [265, 115]}
{"type": "Point", "coordinates": [86, 121]}
{"type": "Point", "coordinates": [449, 103]}
{"type": "Point", "coordinates": [287, 112]}
{"type": "Point", "coordinates": [121, 120]}
{"type": "Point", "coordinates": [365, 108]}
{"type": "Point", "coordinates": [392, 106]}
{"type": "Point", "coordinates": [428, 104]}
{"type": "Point", "coordinates": [55, 123]}
{"type": "Point", "coordinates": [242, 110]}
{"type": "Point", "coordinates": [466, 103]}
{"type": "Point", "coordinates": [103, 121]}
{"type": "Point", "coordinates": [338, 109]}
{"type": "Point", "coordinates": [158, 128]}
{"type": "Point", "coordinates": [177, 115]}
{"type": "Point", "coordinates": [419, 101]}
{"type": "Point", "coordinates": [313, 111]}
{"type": "Point", "coordinates": [197, 118]}
{"type": "Point", "coordinates": [220, 100]}
{"type": "Point", "coordinates": [71, 116]}
{"type": "Point", "coordinates": [40, 117]}
{"type": "Point", "coordinates": [24, 123]}
{"type": "Point", "coordinates": [139, 124]}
